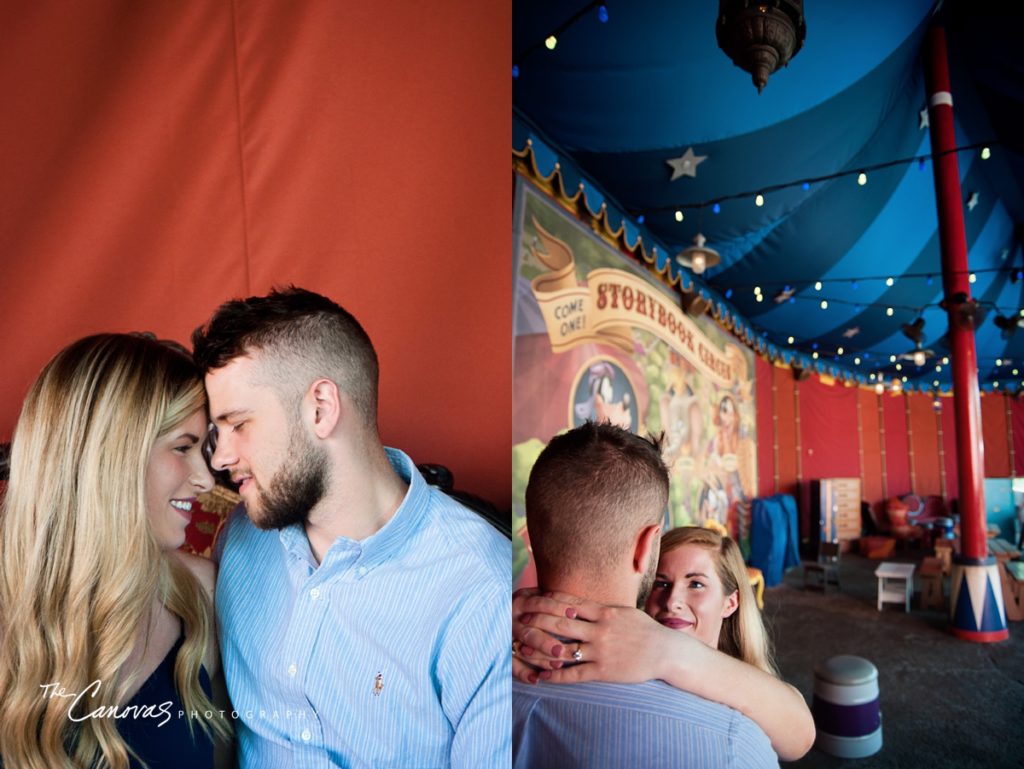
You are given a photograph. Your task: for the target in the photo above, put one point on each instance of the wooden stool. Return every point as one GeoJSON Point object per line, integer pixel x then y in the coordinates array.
{"type": "Point", "coordinates": [826, 567]}
{"type": "Point", "coordinates": [944, 552]}
{"type": "Point", "coordinates": [932, 596]}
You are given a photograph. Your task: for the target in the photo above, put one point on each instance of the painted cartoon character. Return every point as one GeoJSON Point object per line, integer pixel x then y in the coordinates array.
{"type": "Point", "coordinates": [601, 406]}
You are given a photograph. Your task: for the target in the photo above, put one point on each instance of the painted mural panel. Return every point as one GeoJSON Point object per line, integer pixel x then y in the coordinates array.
{"type": "Point", "coordinates": [598, 337]}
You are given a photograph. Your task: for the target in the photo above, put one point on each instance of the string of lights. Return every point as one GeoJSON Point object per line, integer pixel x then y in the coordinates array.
{"type": "Point", "coordinates": [758, 195]}
{"type": "Point", "coordinates": [551, 41]}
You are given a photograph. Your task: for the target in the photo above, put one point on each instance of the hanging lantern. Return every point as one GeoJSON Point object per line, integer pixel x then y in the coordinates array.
{"type": "Point", "coordinates": [760, 36]}
{"type": "Point", "coordinates": [699, 257]}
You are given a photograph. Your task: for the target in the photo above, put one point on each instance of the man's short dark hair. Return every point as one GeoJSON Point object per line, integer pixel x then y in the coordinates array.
{"type": "Point", "coordinates": [300, 336]}
{"type": "Point", "coordinates": [590, 493]}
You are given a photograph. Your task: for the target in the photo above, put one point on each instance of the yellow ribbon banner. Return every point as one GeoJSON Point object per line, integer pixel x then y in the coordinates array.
{"type": "Point", "coordinates": [609, 304]}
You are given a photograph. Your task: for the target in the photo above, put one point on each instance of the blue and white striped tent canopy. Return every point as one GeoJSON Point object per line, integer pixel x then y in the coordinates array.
{"type": "Point", "coordinates": [632, 85]}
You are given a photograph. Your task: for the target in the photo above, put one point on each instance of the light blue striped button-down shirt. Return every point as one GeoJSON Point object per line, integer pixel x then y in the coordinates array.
{"type": "Point", "coordinates": [392, 653]}
{"type": "Point", "coordinates": [630, 726]}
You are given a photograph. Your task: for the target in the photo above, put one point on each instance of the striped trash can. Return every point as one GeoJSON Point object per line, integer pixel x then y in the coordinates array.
{"type": "Point", "coordinates": [846, 712]}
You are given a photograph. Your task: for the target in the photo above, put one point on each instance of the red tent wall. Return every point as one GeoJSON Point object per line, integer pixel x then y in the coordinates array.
{"type": "Point", "coordinates": [871, 445]}
{"type": "Point", "coordinates": [924, 445]}
{"type": "Point", "coordinates": [843, 431]}
{"type": "Point", "coordinates": [993, 424]}
{"type": "Point", "coordinates": [765, 427]}
{"type": "Point", "coordinates": [159, 158]}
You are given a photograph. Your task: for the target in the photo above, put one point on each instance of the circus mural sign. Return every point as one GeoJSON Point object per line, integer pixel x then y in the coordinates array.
{"type": "Point", "coordinates": [598, 337]}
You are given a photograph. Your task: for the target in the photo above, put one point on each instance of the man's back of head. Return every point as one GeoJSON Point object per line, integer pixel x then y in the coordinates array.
{"type": "Point", "coordinates": [592, 494]}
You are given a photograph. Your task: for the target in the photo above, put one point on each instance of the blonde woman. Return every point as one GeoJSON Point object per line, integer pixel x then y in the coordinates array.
{"type": "Point", "coordinates": [708, 638]}
{"type": "Point", "coordinates": [106, 628]}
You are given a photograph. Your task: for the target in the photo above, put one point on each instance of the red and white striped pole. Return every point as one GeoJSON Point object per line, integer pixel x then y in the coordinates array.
{"type": "Point", "coordinates": [977, 612]}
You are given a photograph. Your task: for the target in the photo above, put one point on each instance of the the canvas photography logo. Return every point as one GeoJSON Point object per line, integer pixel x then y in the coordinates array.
{"type": "Point", "coordinates": [80, 708]}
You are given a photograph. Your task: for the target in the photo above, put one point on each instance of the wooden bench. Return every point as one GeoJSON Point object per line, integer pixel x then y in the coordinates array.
{"type": "Point", "coordinates": [1002, 550]}
{"type": "Point", "coordinates": [1011, 574]}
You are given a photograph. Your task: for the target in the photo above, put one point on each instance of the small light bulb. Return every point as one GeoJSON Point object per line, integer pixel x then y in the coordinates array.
{"type": "Point", "coordinates": [824, 304]}
{"type": "Point", "coordinates": [945, 361]}
{"type": "Point", "coordinates": [699, 263]}
{"type": "Point", "coordinates": [679, 216]}
{"type": "Point", "coordinates": [986, 153]}
{"type": "Point", "coordinates": [879, 388]}
{"type": "Point", "coordinates": [759, 200]}
{"type": "Point", "coordinates": [862, 178]}
{"type": "Point", "coordinates": [856, 361]}
{"type": "Point", "coordinates": [995, 384]}
{"type": "Point", "coordinates": [1015, 372]}
{"type": "Point", "coordinates": [551, 42]}
{"type": "Point", "coordinates": [972, 278]}
{"type": "Point", "coordinates": [817, 285]}
{"type": "Point", "coordinates": [904, 379]}
{"type": "Point", "coordinates": [892, 358]}
{"type": "Point", "coordinates": [839, 351]}
{"type": "Point", "coordinates": [999, 361]}
{"type": "Point", "coordinates": [919, 358]}
{"type": "Point", "coordinates": [789, 340]}
{"type": "Point", "coordinates": [935, 383]}
{"type": "Point", "coordinates": [938, 369]}
{"type": "Point", "coordinates": [814, 355]}
{"type": "Point", "coordinates": [757, 290]}
{"type": "Point", "coordinates": [888, 311]}
{"type": "Point", "coordinates": [760, 297]}
{"type": "Point", "coordinates": [889, 281]}
{"type": "Point", "coordinates": [899, 366]}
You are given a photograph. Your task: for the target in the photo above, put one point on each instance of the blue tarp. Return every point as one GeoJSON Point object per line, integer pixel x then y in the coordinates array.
{"type": "Point", "coordinates": [774, 539]}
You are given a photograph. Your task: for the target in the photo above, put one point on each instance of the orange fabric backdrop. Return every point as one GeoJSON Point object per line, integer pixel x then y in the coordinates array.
{"type": "Point", "coordinates": [161, 157]}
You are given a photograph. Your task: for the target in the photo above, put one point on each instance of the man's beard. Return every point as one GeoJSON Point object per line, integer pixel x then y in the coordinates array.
{"type": "Point", "coordinates": [296, 488]}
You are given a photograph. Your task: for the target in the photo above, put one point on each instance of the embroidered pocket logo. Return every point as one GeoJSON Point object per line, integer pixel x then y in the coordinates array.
{"type": "Point", "coordinates": [378, 685]}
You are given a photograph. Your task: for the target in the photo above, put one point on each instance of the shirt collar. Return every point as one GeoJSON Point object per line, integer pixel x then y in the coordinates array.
{"type": "Point", "coordinates": [384, 544]}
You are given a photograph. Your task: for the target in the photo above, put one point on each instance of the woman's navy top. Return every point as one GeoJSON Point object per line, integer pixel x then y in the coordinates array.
{"type": "Point", "coordinates": [159, 731]}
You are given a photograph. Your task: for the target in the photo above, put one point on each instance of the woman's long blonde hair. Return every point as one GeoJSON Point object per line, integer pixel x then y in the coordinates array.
{"type": "Point", "coordinates": [743, 634]}
{"type": "Point", "coordinates": [79, 567]}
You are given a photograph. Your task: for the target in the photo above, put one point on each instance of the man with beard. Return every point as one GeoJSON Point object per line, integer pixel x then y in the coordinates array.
{"type": "Point", "coordinates": [594, 507]}
{"type": "Point", "coordinates": [364, 616]}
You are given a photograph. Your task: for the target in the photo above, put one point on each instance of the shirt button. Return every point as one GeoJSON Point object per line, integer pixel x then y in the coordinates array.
{"type": "Point", "coordinates": [314, 593]}
{"type": "Point", "coordinates": [292, 670]}
{"type": "Point", "coordinates": [306, 736]}
{"type": "Point", "coordinates": [362, 571]}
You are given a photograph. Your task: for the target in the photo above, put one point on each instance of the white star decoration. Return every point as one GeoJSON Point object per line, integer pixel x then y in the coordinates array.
{"type": "Point", "coordinates": [851, 332]}
{"type": "Point", "coordinates": [686, 164]}
{"type": "Point", "coordinates": [972, 201]}
{"type": "Point", "coordinates": [922, 121]}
